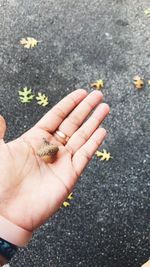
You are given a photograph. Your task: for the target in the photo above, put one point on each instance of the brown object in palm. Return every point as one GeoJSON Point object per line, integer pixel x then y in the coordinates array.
{"type": "Point", "coordinates": [47, 151]}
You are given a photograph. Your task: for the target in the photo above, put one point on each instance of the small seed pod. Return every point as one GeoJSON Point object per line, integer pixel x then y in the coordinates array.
{"type": "Point", "coordinates": [47, 151]}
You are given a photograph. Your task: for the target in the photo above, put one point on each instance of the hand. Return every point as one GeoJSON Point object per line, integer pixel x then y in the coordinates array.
{"type": "Point", "coordinates": [30, 190]}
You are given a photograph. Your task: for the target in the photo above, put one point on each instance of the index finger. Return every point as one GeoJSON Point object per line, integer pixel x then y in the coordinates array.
{"type": "Point", "coordinates": [53, 118]}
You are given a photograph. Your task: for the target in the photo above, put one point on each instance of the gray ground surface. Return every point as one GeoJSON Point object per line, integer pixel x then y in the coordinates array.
{"type": "Point", "coordinates": [107, 223]}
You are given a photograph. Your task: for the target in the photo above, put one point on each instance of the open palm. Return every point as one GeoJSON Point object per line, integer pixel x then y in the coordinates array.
{"type": "Point", "coordinates": [31, 190]}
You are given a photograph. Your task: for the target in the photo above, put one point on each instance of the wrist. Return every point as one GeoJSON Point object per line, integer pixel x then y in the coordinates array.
{"type": "Point", "coordinates": [7, 251]}
{"type": "Point", "coordinates": [11, 237]}
{"type": "Point", "coordinates": [13, 233]}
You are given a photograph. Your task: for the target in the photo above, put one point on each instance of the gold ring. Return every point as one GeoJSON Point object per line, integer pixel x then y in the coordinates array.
{"type": "Point", "coordinates": [61, 137]}
{"type": "Point", "coordinates": [61, 134]}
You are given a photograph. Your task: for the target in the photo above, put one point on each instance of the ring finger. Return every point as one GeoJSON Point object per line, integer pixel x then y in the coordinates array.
{"type": "Point", "coordinates": [80, 137]}
{"type": "Point", "coordinates": [80, 113]}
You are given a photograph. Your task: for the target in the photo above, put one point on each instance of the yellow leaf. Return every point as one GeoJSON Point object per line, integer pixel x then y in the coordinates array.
{"type": "Point", "coordinates": [29, 42]}
{"type": "Point", "coordinates": [70, 196]}
{"type": "Point", "coordinates": [149, 82]}
{"type": "Point", "coordinates": [42, 99]}
{"type": "Point", "coordinates": [98, 84]}
{"type": "Point", "coordinates": [138, 82]}
{"type": "Point", "coordinates": [66, 204]}
{"type": "Point", "coordinates": [147, 12]}
{"type": "Point", "coordinates": [25, 95]}
{"type": "Point", "coordinates": [104, 155]}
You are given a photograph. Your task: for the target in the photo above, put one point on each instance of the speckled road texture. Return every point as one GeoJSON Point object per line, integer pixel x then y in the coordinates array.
{"type": "Point", "coordinates": [107, 224]}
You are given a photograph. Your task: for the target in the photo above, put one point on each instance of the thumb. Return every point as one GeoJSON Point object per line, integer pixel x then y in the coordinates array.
{"type": "Point", "coordinates": [2, 127]}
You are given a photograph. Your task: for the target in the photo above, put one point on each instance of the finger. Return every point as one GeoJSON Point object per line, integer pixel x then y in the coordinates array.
{"type": "Point", "coordinates": [2, 127]}
{"type": "Point", "coordinates": [82, 135]}
{"type": "Point", "coordinates": [80, 113]}
{"type": "Point", "coordinates": [52, 119]}
{"type": "Point", "coordinates": [85, 153]}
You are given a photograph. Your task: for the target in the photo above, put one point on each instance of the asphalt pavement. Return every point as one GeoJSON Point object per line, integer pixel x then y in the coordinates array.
{"type": "Point", "coordinates": [107, 223]}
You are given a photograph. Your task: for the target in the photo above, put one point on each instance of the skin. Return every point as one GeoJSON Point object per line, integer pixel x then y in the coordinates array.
{"type": "Point", "coordinates": [31, 191]}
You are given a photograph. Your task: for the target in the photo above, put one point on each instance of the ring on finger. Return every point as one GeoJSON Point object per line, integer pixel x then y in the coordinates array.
{"type": "Point", "coordinates": [61, 137]}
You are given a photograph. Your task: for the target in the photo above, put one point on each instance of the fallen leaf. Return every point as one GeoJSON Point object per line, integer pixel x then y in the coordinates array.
{"type": "Point", "coordinates": [42, 99]}
{"type": "Point", "coordinates": [29, 42]}
{"type": "Point", "coordinates": [104, 155]}
{"type": "Point", "coordinates": [147, 12]}
{"type": "Point", "coordinates": [70, 196]}
{"type": "Point", "coordinates": [66, 204]}
{"type": "Point", "coordinates": [25, 95]}
{"type": "Point", "coordinates": [98, 85]}
{"type": "Point", "coordinates": [138, 82]}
